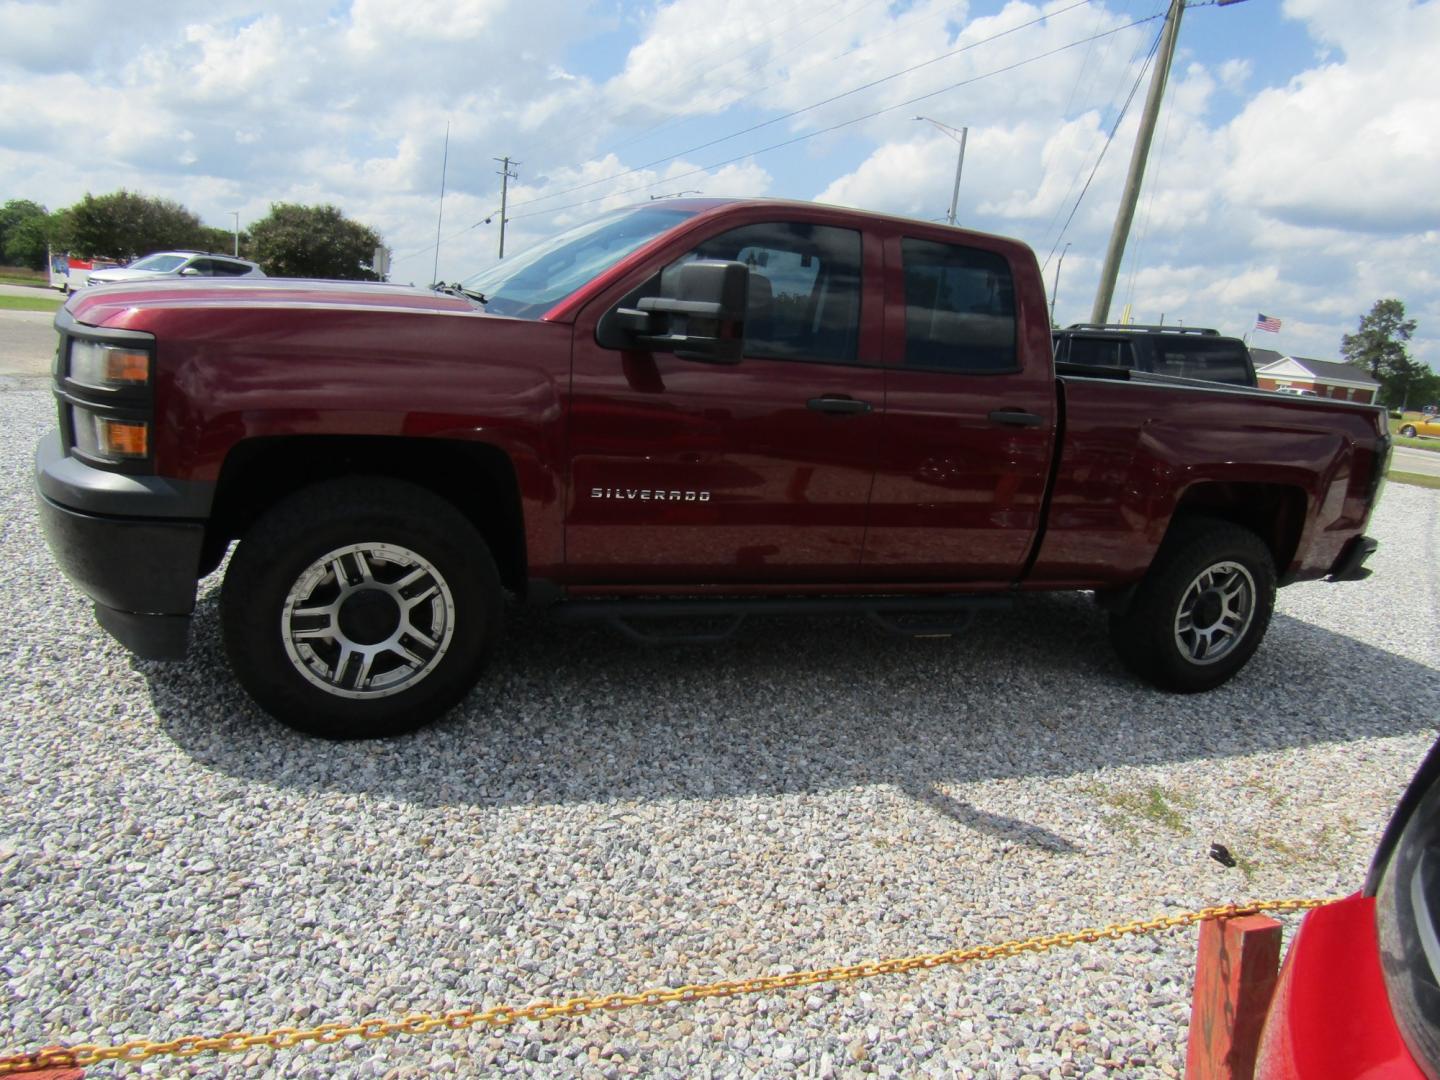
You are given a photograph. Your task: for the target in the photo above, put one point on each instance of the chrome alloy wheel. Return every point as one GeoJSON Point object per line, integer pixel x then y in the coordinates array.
{"type": "Point", "coordinates": [368, 620]}
{"type": "Point", "coordinates": [1215, 612]}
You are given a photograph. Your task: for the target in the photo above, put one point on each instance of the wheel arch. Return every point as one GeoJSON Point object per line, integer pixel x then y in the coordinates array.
{"type": "Point", "coordinates": [479, 479]}
{"type": "Point", "coordinates": [1275, 513]}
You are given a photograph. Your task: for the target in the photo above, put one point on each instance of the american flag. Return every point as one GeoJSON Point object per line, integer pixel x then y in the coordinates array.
{"type": "Point", "coordinates": [1268, 323]}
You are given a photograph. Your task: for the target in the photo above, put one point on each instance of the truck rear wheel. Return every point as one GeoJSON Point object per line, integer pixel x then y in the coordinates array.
{"type": "Point", "coordinates": [1202, 610]}
{"type": "Point", "coordinates": [360, 608]}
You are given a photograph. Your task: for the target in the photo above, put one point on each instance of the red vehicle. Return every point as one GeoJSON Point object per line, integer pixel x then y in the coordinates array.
{"type": "Point", "coordinates": [701, 407]}
{"type": "Point", "coordinates": [1359, 995]}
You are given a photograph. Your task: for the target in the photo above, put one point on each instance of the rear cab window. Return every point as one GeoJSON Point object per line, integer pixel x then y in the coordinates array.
{"type": "Point", "coordinates": [1219, 360]}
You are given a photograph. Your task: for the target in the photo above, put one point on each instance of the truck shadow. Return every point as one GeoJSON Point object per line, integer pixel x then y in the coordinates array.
{"type": "Point", "coordinates": [569, 715]}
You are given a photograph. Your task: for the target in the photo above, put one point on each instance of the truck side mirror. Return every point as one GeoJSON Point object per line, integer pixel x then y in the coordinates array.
{"type": "Point", "coordinates": [699, 314]}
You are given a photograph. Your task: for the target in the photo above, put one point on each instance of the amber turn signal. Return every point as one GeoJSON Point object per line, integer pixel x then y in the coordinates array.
{"type": "Point", "coordinates": [123, 438]}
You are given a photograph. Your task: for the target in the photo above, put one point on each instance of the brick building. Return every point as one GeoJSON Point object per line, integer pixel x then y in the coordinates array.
{"type": "Point", "coordinates": [1275, 371]}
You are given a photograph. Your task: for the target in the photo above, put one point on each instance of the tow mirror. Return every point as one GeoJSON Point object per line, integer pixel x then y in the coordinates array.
{"type": "Point", "coordinates": [699, 314]}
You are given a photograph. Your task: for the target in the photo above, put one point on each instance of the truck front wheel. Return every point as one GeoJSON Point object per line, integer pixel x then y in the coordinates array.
{"type": "Point", "coordinates": [360, 608]}
{"type": "Point", "coordinates": [1201, 611]}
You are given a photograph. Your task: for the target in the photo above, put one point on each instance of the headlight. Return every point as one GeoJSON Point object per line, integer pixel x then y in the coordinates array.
{"type": "Point", "coordinates": [108, 366]}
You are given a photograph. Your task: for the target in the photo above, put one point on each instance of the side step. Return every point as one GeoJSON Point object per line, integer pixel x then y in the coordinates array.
{"type": "Point", "coordinates": [909, 616]}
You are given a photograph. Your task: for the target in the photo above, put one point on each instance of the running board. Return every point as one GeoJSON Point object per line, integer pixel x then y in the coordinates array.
{"type": "Point", "coordinates": [908, 616]}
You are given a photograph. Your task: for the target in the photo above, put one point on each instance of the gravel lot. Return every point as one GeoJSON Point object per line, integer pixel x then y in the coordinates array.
{"type": "Point", "coordinates": [602, 817]}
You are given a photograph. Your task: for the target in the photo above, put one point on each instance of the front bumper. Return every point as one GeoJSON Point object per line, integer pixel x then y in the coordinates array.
{"type": "Point", "coordinates": [131, 543]}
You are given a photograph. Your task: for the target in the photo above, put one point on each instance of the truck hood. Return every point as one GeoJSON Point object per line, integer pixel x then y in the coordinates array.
{"type": "Point", "coordinates": [124, 305]}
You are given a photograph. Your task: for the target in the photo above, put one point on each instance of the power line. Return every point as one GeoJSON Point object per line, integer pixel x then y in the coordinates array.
{"type": "Point", "coordinates": [700, 80]}
{"type": "Point", "coordinates": [859, 119]}
{"type": "Point", "coordinates": [1111, 138]}
{"type": "Point", "coordinates": [1135, 56]}
{"type": "Point", "coordinates": [827, 101]}
{"type": "Point", "coordinates": [670, 179]}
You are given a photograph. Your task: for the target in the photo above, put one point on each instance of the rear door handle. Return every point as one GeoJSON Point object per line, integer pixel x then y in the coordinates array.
{"type": "Point", "coordinates": [1015, 418]}
{"type": "Point", "coordinates": [838, 403]}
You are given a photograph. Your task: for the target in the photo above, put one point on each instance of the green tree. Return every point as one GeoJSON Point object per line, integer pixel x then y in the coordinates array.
{"type": "Point", "coordinates": [23, 232]}
{"type": "Point", "coordinates": [1379, 347]}
{"type": "Point", "coordinates": [313, 241]}
{"type": "Point", "coordinates": [126, 225]}
{"type": "Point", "coordinates": [222, 241]}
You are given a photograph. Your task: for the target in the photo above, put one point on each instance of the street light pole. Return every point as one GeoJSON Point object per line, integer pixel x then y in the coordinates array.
{"type": "Point", "coordinates": [1055, 291]}
{"type": "Point", "coordinates": [959, 164]}
{"type": "Point", "coordinates": [236, 215]}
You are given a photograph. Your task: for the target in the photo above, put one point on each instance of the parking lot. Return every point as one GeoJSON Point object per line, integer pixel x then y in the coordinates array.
{"type": "Point", "coordinates": [602, 817]}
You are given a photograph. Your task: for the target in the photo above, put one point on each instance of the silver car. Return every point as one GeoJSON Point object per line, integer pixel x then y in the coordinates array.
{"type": "Point", "coordinates": [178, 264]}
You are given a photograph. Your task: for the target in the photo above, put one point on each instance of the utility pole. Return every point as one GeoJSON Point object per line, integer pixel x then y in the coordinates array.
{"type": "Point", "coordinates": [959, 165]}
{"type": "Point", "coordinates": [1121, 232]}
{"type": "Point", "coordinates": [505, 177]}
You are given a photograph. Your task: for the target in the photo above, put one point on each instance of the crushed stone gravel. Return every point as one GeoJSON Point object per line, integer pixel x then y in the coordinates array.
{"type": "Point", "coordinates": [602, 817]}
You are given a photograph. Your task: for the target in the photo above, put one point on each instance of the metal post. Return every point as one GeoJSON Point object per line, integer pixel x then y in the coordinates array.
{"type": "Point", "coordinates": [1121, 232]}
{"type": "Point", "coordinates": [236, 215]}
{"type": "Point", "coordinates": [959, 167]}
{"type": "Point", "coordinates": [959, 164]}
{"type": "Point", "coordinates": [505, 177]}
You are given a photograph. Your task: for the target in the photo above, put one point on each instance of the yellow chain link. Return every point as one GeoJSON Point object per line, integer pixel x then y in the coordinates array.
{"type": "Point", "coordinates": [500, 1016]}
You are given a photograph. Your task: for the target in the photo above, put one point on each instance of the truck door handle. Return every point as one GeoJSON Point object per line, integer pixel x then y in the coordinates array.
{"type": "Point", "coordinates": [837, 403]}
{"type": "Point", "coordinates": [1015, 418]}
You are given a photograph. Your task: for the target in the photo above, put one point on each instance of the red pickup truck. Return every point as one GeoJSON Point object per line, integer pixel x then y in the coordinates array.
{"type": "Point", "coordinates": [695, 408]}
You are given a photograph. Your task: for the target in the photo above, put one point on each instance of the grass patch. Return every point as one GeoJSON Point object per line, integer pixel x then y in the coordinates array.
{"type": "Point", "coordinates": [12, 278]}
{"type": "Point", "coordinates": [30, 303]}
{"type": "Point", "coordinates": [1153, 804]}
{"type": "Point", "coordinates": [1413, 479]}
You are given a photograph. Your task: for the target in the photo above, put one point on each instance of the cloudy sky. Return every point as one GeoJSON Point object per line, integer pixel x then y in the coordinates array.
{"type": "Point", "coordinates": [1295, 170]}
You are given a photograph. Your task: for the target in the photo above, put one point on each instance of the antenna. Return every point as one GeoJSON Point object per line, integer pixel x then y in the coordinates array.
{"type": "Point", "coordinates": [444, 167]}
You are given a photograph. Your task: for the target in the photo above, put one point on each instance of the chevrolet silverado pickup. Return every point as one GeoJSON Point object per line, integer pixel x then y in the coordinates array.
{"type": "Point", "coordinates": [696, 408]}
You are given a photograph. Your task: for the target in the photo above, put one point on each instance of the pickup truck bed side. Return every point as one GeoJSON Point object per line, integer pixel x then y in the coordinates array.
{"type": "Point", "coordinates": [1134, 452]}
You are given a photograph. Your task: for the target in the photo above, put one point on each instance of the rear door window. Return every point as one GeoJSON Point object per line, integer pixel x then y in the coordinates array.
{"type": "Point", "coordinates": [959, 308]}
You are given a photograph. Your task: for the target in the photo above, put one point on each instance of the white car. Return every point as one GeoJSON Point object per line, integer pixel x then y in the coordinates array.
{"type": "Point", "coordinates": [178, 264]}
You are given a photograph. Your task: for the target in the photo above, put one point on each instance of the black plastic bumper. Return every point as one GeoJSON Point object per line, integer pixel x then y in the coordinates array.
{"type": "Point", "coordinates": [1350, 566]}
{"type": "Point", "coordinates": [140, 569]}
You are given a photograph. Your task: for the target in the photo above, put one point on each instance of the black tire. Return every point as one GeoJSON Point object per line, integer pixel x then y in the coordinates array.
{"type": "Point", "coordinates": [1221, 574]}
{"type": "Point", "coordinates": [388, 649]}
{"type": "Point", "coordinates": [1408, 431]}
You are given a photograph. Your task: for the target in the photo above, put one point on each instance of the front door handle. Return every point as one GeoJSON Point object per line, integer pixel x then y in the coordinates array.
{"type": "Point", "coordinates": [1015, 418]}
{"type": "Point", "coordinates": [838, 403]}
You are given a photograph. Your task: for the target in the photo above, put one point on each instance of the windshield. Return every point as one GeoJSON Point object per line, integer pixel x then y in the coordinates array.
{"type": "Point", "coordinates": [162, 263]}
{"type": "Point", "coordinates": [529, 284]}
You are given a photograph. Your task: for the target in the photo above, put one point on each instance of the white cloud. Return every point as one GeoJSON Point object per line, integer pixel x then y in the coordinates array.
{"type": "Point", "coordinates": [1313, 200]}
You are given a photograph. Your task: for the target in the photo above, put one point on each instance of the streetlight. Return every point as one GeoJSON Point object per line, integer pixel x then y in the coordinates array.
{"type": "Point", "coordinates": [1055, 292]}
{"type": "Point", "coordinates": [959, 165]}
{"type": "Point", "coordinates": [236, 215]}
